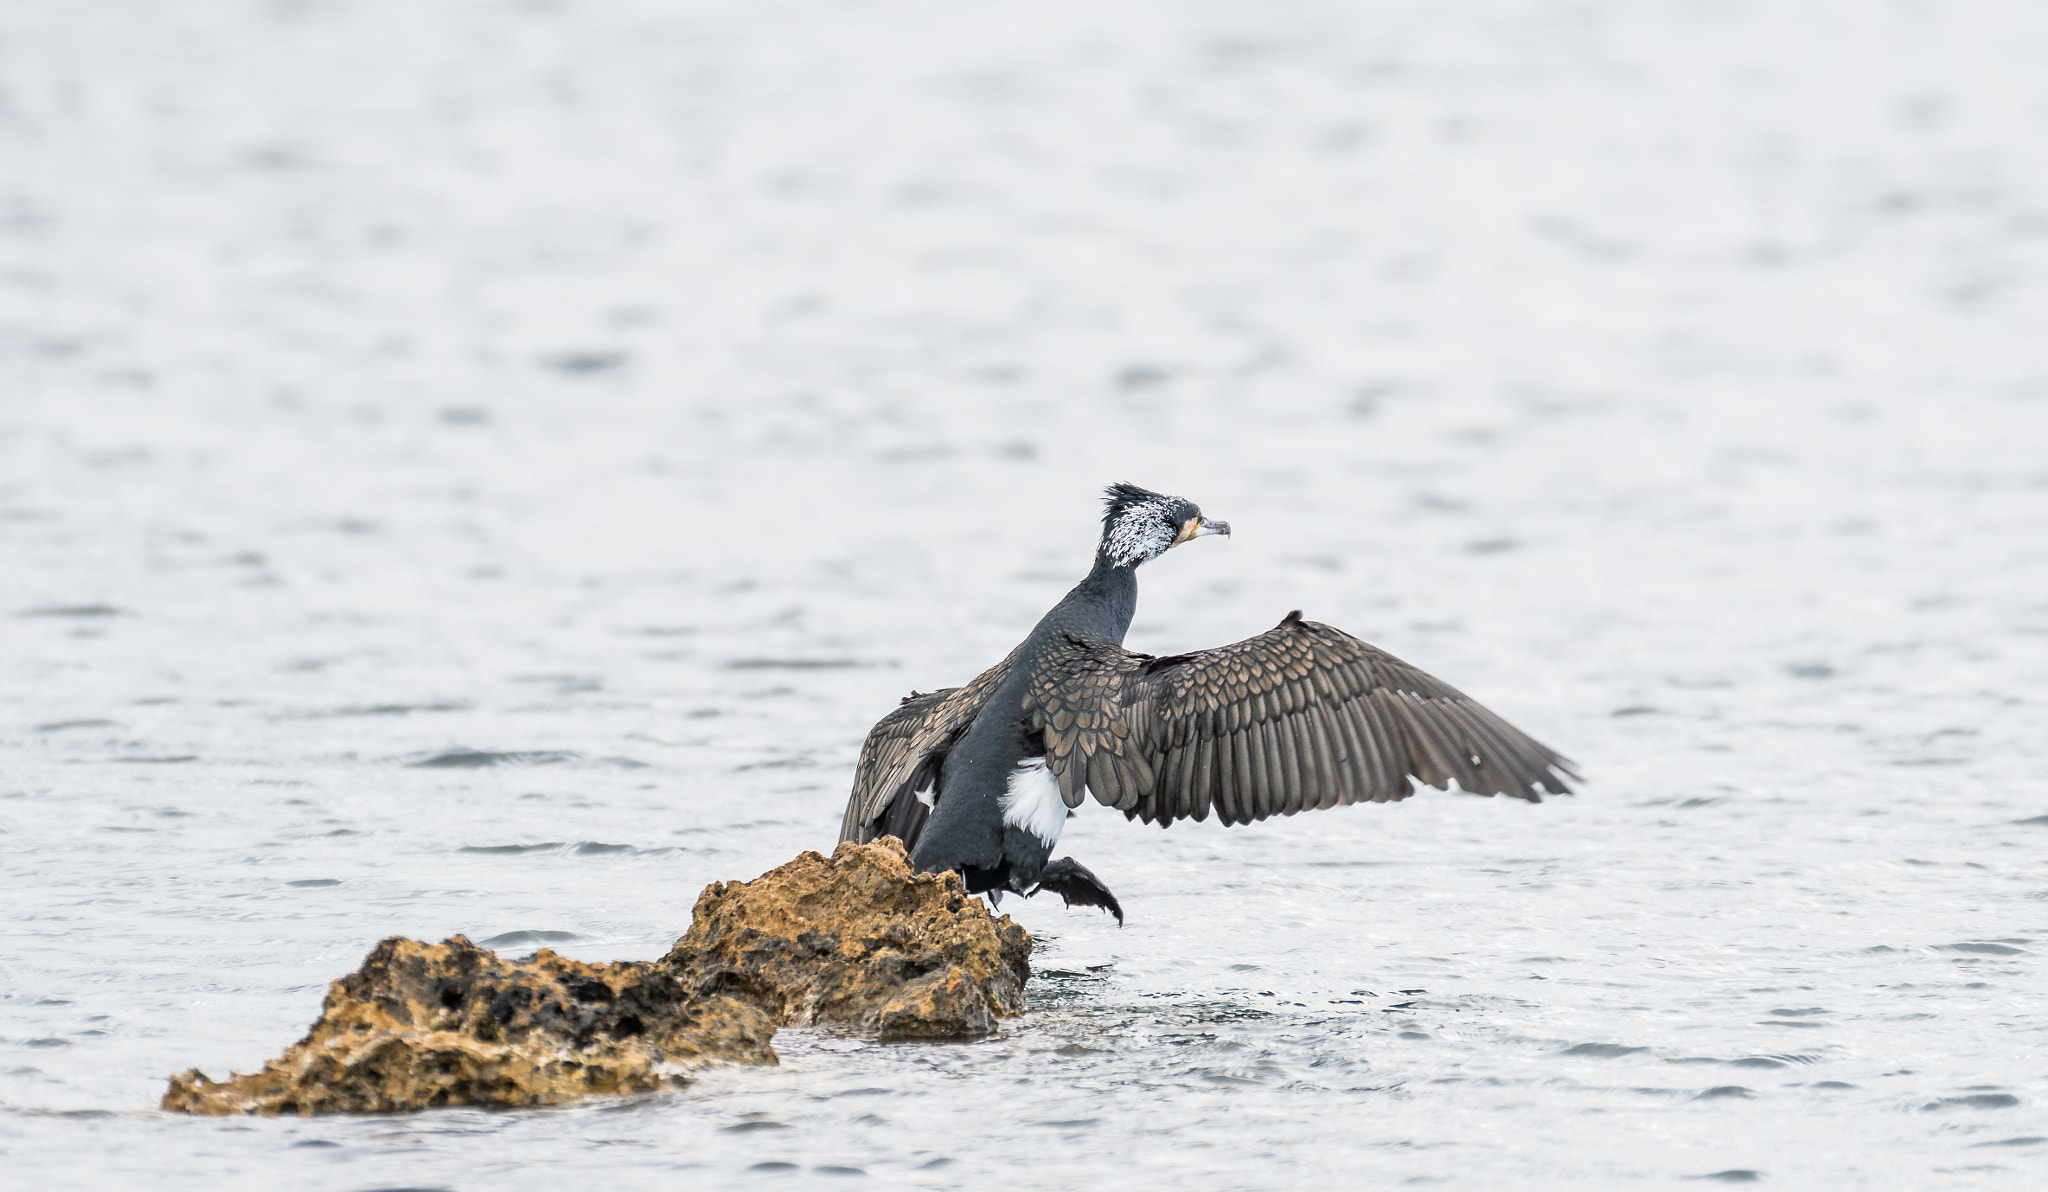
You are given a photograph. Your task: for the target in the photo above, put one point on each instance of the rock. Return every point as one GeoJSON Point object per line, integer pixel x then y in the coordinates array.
{"type": "Point", "coordinates": [425, 1025]}
{"type": "Point", "coordinates": [858, 942]}
{"type": "Point", "coordinates": [836, 941]}
{"type": "Point", "coordinates": [946, 1005]}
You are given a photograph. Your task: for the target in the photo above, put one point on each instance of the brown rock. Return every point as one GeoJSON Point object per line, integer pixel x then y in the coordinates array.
{"type": "Point", "coordinates": [833, 941]}
{"type": "Point", "coordinates": [425, 1025]}
{"type": "Point", "coordinates": [858, 941]}
{"type": "Point", "coordinates": [946, 1005]}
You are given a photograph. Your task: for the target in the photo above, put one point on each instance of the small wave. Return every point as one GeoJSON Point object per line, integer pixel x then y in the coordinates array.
{"type": "Point", "coordinates": [794, 762]}
{"type": "Point", "coordinates": [586, 362]}
{"type": "Point", "coordinates": [564, 684]}
{"type": "Point", "coordinates": [463, 758]}
{"type": "Point", "coordinates": [352, 710]}
{"type": "Point", "coordinates": [804, 664]}
{"type": "Point", "coordinates": [73, 610]}
{"type": "Point", "coordinates": [1973, 1101]}
{"type": "Point", "coordinates": [581, 848]}
{"type": "Point", "coordinates": [513, 850]}
{"type": "Point", "coordinates": [1775, 1060]}
{"type": "Point", "coordinates": [1603, 1051]}
{"type": "Point", "coordinates": [1981, 948]}
{"type": "Point", "coordinates": [513, 939]}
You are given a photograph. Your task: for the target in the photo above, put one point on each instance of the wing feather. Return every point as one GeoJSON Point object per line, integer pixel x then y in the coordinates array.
{"type": "Point", "coordinates": [1195, 798]}
{"type": "Point", "coordinates": [1291, 750]}
{"type": "Point", "coordinates": [1329, 784]}
{"type": "Point", "coordinates": [1222, 749]}
{"type": "Point", "coordinates": [903, 754]}
{"type": "Point", "coordinates": [1300, 717]}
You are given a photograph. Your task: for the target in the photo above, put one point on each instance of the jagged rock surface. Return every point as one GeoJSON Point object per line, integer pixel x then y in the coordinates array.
{"type": "Point", "coordinates": [424, 1025]}
{"type": "Point", "coordinates": [858, 941]}
{"type": "Point", "coordinates": [840, 940]}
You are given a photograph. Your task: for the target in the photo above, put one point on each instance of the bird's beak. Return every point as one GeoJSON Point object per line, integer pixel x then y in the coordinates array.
{"type": "Point", "coordinates": [1197, 527]}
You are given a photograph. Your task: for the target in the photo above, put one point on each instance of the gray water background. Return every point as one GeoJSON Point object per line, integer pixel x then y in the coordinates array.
{"type": "Point", "coordinates": [481, 467]}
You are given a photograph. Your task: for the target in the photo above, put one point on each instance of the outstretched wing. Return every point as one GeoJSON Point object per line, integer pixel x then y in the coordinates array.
{"type": "Point", "coordinates": [1301, 716]}
{"type": "Point", "coordinates": [891, 743]}
{"type": "Point", "coordinates": [902, 756]}
{"type": "Point", "coordinates": [1080, 699]}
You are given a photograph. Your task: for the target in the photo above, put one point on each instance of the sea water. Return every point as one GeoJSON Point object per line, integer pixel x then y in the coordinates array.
{"type": "Point", "coordinates": [480, 468]}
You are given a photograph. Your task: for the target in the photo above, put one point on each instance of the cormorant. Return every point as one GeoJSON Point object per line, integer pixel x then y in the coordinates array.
{"type": "Point", "coordinates": [980, 778]}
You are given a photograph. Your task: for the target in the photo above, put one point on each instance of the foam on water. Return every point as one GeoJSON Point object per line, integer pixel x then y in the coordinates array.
{"type": "Point", "coordinates": [481, 468]}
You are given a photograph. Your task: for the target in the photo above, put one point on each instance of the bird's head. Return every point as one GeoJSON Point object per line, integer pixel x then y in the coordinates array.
{"type": "Point", "coordinates": [1139, 525]}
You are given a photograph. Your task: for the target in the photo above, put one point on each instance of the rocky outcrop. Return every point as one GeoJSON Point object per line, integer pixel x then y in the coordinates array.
{"type": "Point", "coordinates": [857, 941]}
{"type": "Point", "coordinates": [842, 941]}
{"type": "Point", "coordinates": [424, 1025]}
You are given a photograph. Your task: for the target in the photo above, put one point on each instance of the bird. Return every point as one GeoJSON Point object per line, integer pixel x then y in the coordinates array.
{"type": "Point", "coordinates": [980, 779]}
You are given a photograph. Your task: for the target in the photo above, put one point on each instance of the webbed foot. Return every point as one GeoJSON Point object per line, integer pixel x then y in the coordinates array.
{"type": "Point", "coordinates": [1072, 881]}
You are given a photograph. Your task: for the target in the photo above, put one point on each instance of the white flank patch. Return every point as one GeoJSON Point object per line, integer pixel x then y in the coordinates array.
{"type": "Point", "coordinates": [1032, 801]}
{"type": "Point", "coordinates": [925, 797]}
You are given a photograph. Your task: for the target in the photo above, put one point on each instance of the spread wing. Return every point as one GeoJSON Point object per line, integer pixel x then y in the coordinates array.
{"type": "Point", "coordinates": [1086, 699]}
{"type": "Point", "coordinates": [1301, 716]}
{"type": "Point", "coordinates": [902, 756]}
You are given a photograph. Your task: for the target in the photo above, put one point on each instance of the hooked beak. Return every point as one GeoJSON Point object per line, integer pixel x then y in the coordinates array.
{"type": "Point", "coordinates": [1200, 527]}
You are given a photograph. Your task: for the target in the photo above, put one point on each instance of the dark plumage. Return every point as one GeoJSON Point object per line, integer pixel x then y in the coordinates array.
{"type": "Point", "coordinates": [978, 778]}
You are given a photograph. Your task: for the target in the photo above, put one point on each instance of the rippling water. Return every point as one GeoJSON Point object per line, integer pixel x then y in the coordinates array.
{"type": "Point", "coordinates": [482, 469]}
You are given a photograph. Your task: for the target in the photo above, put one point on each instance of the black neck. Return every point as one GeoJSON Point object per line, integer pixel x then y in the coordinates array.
{"type": "Point", "coordinates": [1101, 606]}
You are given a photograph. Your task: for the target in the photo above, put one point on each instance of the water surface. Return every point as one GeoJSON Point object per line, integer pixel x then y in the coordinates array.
{"type": "Point", "coordinates": [482, 470]}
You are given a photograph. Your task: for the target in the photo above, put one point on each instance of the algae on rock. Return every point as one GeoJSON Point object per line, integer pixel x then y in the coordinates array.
{"type": "Point", "coordinates": [858, 941]}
